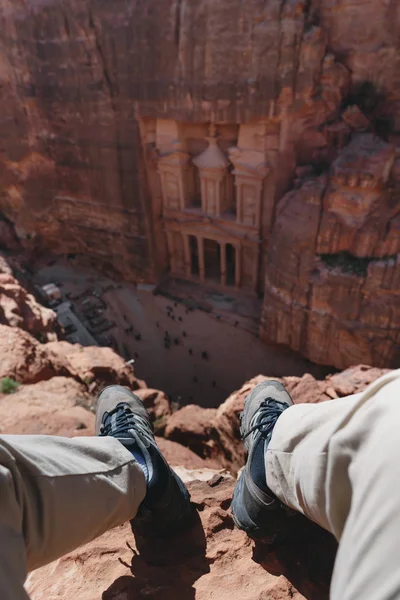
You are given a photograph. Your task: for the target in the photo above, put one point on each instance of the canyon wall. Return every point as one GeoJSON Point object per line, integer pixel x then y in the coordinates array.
{"type": "Point", "coordinates": [96, 96]}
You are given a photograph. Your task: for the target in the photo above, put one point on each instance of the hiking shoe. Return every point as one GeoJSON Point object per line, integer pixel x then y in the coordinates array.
{"type": "Point", "coordinates": [255, 509]}
{"type": "Point", "coordinates": [166, 508]}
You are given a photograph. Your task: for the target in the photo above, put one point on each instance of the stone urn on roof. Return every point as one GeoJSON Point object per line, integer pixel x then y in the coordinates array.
{"type": "Point", "coordinates": [213, 168]}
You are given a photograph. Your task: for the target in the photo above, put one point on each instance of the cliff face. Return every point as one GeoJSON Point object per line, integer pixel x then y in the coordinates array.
{"type": "Point", "coordinates": [80, 80]}
{"type": "Point", "coordinates": [332, 287]}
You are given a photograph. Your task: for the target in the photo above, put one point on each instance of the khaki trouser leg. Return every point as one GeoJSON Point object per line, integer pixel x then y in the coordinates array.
{"type": "Point", "coordinates": [338, 463]}
{"type": "Point", "coordinates": [57, 494]}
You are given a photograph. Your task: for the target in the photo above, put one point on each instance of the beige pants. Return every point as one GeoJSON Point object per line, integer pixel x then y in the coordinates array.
{"type": "Point", "coordinates": [338, 463]}
{"type": "Point", "coordinates": [56, 494]}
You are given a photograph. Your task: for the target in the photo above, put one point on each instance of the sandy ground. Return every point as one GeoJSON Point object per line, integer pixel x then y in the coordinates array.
{"type": "Point", "coordinates": [194, 356]}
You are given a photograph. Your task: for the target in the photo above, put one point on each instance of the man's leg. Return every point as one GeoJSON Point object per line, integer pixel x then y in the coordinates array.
{"type": "Point", "coordinates": [57, 494]}
{"type": "Point", "coordinates": [338, 463]}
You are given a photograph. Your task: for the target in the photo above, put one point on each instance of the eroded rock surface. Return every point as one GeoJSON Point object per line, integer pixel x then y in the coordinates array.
{"type": "Point", "coordinates": [20, 309]}
{"type": "Point", "coordinates": [93, 365]}
{"type": "Point", "coordinates": [304, 96]}
{"type": "Point", "coordinates": [332, 280]}
{"type": "Point", "coordinates": [52, 407]}
{"type": "Point", "coordinates": [214, 559]}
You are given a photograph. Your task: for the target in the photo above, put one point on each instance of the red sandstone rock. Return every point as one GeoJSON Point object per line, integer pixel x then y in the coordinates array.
{"type": "Point", "coordinates": [214, 560]}
{"type": "Point", "coordinates": [355, 379]}
{"type": "Point", "coordinates": [179, 456]}
{"type": "Point", "coordinates": [192, 426]}
{"type": "Point", "coordinates": [53, 407]}
{"type": "Point", "coordinates": [332, 285]}
{"type": "Point", "coordinates": [24, 359]}
{"type": "Point", "coordinates": [93, 365]}
{"type": "Point", "coordinates": [306, 389]}
{"type": "Point", "coordinates": [20, 309]}
{"type": "Point", "coordinates": [315, 77]}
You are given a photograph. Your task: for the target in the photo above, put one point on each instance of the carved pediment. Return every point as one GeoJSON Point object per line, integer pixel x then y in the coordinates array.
{"type": "Point", "coordinates": [248, 163]}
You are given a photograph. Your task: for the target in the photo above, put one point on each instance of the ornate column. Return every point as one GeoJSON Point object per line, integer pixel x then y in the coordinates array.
{"type": "Point", "coordinates": [170, 245]}
{"type": "Point", "coordinates": [255, 269]}
{"type": "Point", "coordinates": [186, 251]}
{"type": "Point", "coordinates": [212, 165]}
{"type": "Point", "coordinates": [223, 262]}
{"type": "Point", "coordinates": [238, 265]}
{"type": "Point", "coordinates": [250, 169]}
{"type": "Point", "coordinates": [200, 246]}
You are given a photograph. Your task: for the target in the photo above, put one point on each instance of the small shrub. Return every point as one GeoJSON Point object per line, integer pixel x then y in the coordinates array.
{"type": "Point", "coordinates": [8, 385]}
{"type": "Point", "coordinates": [348, 263]}
{"type": "Point", "coordinates": [41, 337]}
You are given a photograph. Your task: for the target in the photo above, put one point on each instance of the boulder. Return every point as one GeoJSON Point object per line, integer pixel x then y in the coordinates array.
{"type": "Point", "coordinates": [24, 359]}
{"type": "Point", "coordinates": [180, 456]}
{"type": "Point", "coordinates": [20, 309]}
{"type": "Point", "coordinates": [93, 365]}
{"type": "Point", "coordinates": [193, 426]}
{"type": "Point", "coordinates": [53, 407]}
{"type": "Point", "coordinates": [355, 379]}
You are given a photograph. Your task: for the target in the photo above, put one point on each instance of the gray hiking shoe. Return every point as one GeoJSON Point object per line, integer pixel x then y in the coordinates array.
{"type": "Point", "coordinates": [255, 509]}
{"type": "Point", "coordinates": [166, 508]}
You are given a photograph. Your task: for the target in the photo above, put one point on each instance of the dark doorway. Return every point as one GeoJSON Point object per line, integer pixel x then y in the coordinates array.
{"type": "Point", "coordinates": [230, 264]}
{"type": "Point", "coordinates": [212, 260]}
{"type": "Point", "coordinates": [194, 255]}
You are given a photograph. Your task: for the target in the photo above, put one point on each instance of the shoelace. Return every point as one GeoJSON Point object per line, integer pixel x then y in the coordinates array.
{"type": "Point", "coordinates": [266, 416]}
{"type": "Point", "coordinates": [122, 420]}
{"type": "Point", "coordinates": [122, 423]}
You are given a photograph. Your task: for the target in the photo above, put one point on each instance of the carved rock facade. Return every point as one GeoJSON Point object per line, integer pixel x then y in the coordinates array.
{"type": "Point", "coordinates": [252, 146]}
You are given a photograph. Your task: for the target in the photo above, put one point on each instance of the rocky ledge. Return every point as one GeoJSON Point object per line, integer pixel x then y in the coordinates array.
{"type": "Point", "coordinates": [213, 560]}
{"type": "Point", "coordinates": [53, 389]}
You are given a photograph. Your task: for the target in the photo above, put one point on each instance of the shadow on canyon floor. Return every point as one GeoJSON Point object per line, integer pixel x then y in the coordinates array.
{"type": "Point", "coordinates": [164, 569]}
{"type": "Point", "coordinates": [169, 569]}
{"type": "Point", "coordinates": [306, 558]}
